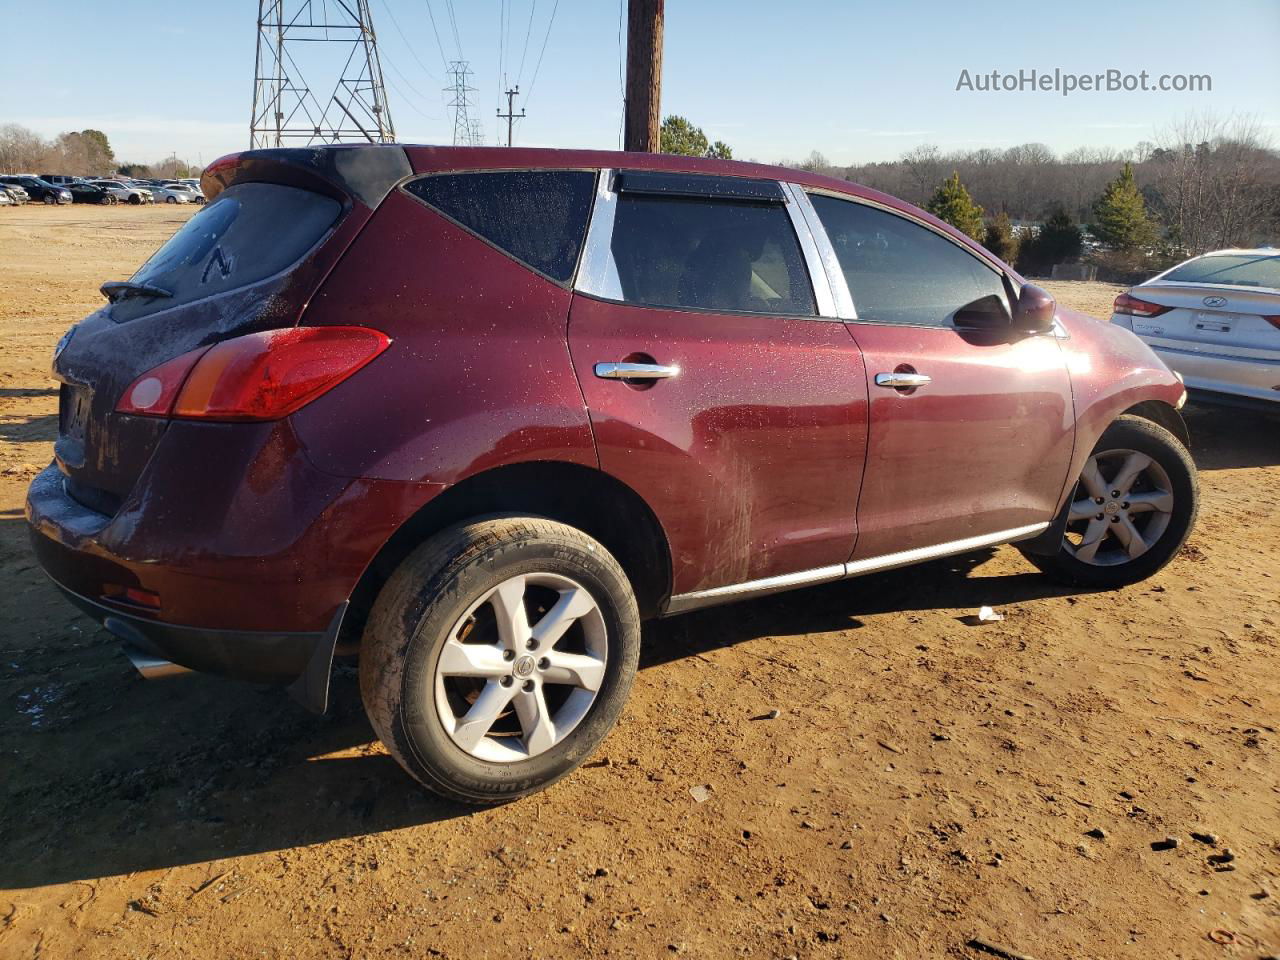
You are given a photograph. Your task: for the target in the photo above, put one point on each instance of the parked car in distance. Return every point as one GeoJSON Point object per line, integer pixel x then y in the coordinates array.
{"type": "Point", "coordinates": [60, 179]}
{"type": "Point", "coordinates": [83, 192]}
{"type": "Point", "coordinates": [123, 193]}
{"type": "Point", "coordinates": [653, 384]}
{"type": "Point", "coordinates": [1215, 319]}
{"type": "Point", "coordinates": [17, 194]}
{"type": "Point", "coordinates": [39, 189]}
{"type": "Point", "coordinates": [194, 194]}
{"type": "Point", "coordinates": [163, 194]}
{"type": "Point", "coordinates": [6, 200]}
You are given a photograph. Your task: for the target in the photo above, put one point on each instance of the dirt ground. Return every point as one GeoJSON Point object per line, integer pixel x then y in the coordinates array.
{"type": "Point", "coordinates": [928, 780]}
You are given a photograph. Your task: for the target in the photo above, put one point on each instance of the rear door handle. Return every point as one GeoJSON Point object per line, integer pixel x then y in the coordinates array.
{"type": "Point", "coordinates": [635, 371]}
{"type": "Point", "coordinates": [902, 381]}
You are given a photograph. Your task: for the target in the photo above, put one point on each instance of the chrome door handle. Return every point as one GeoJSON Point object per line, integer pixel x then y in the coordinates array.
{"type": "Point", "coordinates": [901, 381]}
{"type": "Point", "coordinates": [635, 371]}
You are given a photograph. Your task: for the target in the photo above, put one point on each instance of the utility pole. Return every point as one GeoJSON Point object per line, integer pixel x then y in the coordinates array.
{"type": "Point", "coordinates": [510, 116]}
{"type": "Point", "coordinates": [644, 75]}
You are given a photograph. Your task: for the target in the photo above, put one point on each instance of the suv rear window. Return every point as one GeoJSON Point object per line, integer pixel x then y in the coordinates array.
{"type": "Point", "coordinates": [537, 216]}
{"type": "Point", "coordinates": [250, 232]}
{"type": "Point", "coordinates": [724, 255]}
{"type": "Point", "coordinates": [1247, 270]}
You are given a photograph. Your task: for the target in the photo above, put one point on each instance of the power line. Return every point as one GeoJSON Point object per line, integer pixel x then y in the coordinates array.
{"type": "Point", "coordinates": [533, 8]}
{"type": "Point", "coordinates": [537, 68]}
{"type": "Point", "coordinates": [396, 23]}
{"type": "Point", "coordinates": [430, 13]}
{"type": "Point", "coordinates": [622, 84]}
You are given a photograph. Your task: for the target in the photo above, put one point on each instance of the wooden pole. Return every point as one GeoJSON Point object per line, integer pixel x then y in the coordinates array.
{"type": "Point", "coordinates": [644, 75]}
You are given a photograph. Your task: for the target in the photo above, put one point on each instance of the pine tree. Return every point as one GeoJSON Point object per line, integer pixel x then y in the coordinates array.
{"type": "Point", "coordinates": [952, 204]}
{"type": "Point", "coordinates": [1120, 215]}
{"type": "Point", "coordinates": [1000, 238]}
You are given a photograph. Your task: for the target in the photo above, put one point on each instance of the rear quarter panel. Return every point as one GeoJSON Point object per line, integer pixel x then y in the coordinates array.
{"type": "Point", "coordinates": [478, 374]}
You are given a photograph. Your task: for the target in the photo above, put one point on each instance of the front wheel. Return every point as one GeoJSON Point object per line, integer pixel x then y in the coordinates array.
{"type": "Point", "coordinates": [171, 199]}
{"type": "Point", "coordinates": [1131, 510]}
{"type": "Point", "coordinates": [50, 199]}
{"type": "Point", "coordinates": [498, 656]}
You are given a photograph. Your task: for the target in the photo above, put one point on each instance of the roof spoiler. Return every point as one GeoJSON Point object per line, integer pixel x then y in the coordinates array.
{"type": "Point", "coordinates": [364, 173]}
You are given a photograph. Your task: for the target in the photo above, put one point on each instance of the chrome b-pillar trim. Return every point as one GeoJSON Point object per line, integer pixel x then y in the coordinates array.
{"type": "Point", "coordinates": [597, 273]}
{"type": "Point", "coordinates": [818, 273]}
{"type": "Point", "coordinates": [684, 602]}
{"type": "Point", "coordinates": [842, 300]}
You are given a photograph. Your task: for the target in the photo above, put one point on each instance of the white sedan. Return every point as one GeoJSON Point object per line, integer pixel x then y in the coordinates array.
{"type": "Point", "coordinates": [1215, 320]}
{"type": "Point", "coordinates": [123, 192]}
{"type": "Point", "coordinates": [170, 195]}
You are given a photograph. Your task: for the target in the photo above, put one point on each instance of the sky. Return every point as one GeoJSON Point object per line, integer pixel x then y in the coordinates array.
{"type": "Point", "coordinates": [856, 81]}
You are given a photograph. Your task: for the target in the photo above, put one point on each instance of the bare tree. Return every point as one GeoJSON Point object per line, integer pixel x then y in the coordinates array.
{"type": "Point", "coordinates": [1216, 182]}
{"type": "Point", "coordinates": [21, 150]}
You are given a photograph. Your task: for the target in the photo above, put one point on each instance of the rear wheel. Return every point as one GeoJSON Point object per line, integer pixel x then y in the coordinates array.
{"type": "Point", "coordinates": [498, 656]}
{"type": "Point", "coordinates": [1131, 510]}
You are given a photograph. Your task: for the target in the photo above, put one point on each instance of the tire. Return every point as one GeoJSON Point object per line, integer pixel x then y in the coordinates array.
{"type": "Point", "coordinates": [50, 199]}
{"type": "Point", "coordinates": [446, 592]}
{"type": "Point", "coordinates": [135, 199]}
{"type": "Point", "coordinates": [171, 199]}
{"type": "Point", "coordinates": [1159, 504]}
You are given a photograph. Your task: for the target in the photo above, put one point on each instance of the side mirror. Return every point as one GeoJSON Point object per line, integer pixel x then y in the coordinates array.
{"type": "Point", "coordinates": [986, 314]}
{"type": "Point", "coordinates": [1035, 310]}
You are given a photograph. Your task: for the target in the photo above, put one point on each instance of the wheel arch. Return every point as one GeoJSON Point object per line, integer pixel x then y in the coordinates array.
{"type": "Point", "coordinates": [1162, 415]}
{"type": "Point", "coordinates": [590, 500]}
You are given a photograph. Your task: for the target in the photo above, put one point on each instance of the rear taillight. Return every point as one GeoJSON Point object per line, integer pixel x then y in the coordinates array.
{"type": "Point", "coordinates": [1137, 308]}
{"type": "Point", "coordinates": [261, 376]}
{"type": "Point", "coordinates": [1274, 321]}
{"type": "Point", "coordinates": [153, 393]}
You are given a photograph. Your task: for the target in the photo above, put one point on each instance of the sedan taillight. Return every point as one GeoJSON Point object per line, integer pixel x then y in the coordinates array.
{"type": "Point", "coordinates": [1134, 307]}
{"type": "Point", "coordinates": [1274, 321]}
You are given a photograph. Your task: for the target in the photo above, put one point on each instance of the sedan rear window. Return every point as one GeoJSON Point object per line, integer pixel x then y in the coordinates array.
{"type": "Point", "coordinates": [250, 232]}
{"type": "Point", "coordinates": [1245, 270]}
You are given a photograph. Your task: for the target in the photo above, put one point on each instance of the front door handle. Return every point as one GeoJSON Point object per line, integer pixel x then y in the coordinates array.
{"type": "Point", "coordinates": [635, 371]}
{"type": "Point", "coordinates": [902, 381]}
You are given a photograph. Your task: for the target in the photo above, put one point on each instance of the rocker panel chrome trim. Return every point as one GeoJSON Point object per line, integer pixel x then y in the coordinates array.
{"type": "Point", "coordinates": [684, 602]}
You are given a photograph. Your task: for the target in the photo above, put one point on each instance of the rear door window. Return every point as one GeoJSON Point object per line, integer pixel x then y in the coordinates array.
{"type": "Point", "coordinates": [537, 216]}
{"type": "Point", "coordinates": [727, 255]}
{"type": "Point", "coordinates": [250, 232]}
{"type": "Point", "coordinates": [899, 271]}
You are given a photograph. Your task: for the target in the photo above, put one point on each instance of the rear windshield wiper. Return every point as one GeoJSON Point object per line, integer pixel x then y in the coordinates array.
{"type": "Point", "coordinates": [117, 290]}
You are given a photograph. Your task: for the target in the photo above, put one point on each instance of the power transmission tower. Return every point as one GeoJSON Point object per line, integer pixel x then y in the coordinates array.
{"type": "Point", "coordinates": [464, 129]}
{"type": "Point", "coordinates": [476, 134]}
{"type": "Point", "coordinates": [644, 75]}
{"type": "Point", "coordinates": [328, 37]}
{"type": "Point", "coordinates": [510, 116]}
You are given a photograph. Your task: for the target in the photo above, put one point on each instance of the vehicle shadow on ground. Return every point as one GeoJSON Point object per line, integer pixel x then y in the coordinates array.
{"type": "Point", "coordinates": [1227, 438]}
{"type": "Point", "coordinates": [117, 775]}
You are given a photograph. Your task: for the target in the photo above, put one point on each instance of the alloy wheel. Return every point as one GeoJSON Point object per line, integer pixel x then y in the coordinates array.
{"type": "Point", "coordinates": [1120, 508]}
{"type": "Point", "coordinates": [521, 668]}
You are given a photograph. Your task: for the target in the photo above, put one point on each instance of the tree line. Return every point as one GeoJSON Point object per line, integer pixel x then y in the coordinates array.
{"type": "Point", "coordinates": [1205, 183]}
{"type": "Point", "coordinates": [82, 153]}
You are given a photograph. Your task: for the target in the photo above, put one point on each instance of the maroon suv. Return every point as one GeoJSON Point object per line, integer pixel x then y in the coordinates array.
{"type": "Point", "coordinates": [477, 412]}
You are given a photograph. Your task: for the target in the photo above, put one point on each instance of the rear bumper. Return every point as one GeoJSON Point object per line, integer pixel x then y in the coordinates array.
{"type": "Point", "coordinates": [1245, 377]}
{"type": "Point", "coordinates": [302, 660]}
{"type": "Point", "coordinates": [232, 554]}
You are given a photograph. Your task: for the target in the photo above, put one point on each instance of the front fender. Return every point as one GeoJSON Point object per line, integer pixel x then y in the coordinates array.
{"type": "Point", "coordinates": [1112, 372]}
